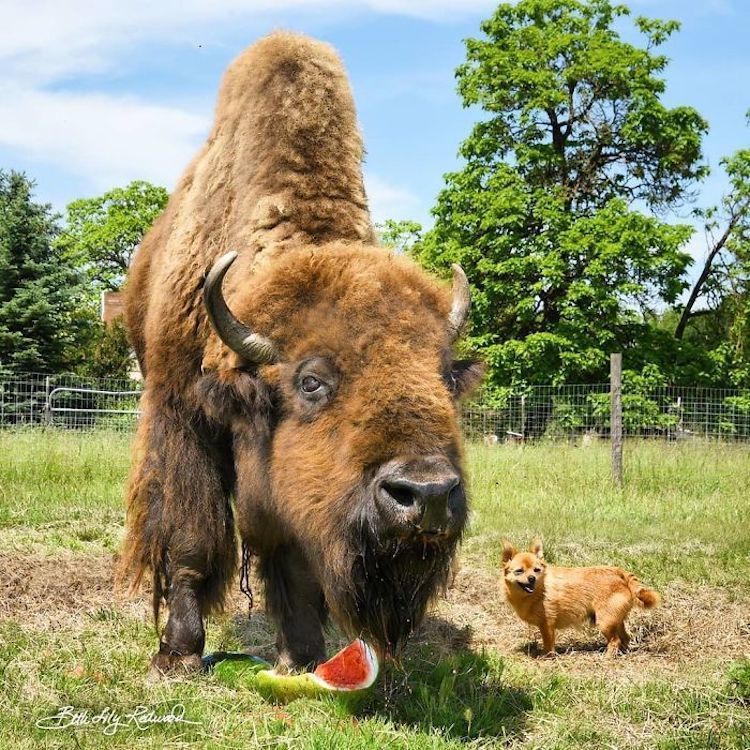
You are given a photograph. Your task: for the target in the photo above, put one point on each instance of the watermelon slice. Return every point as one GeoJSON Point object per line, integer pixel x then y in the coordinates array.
{"type": "Point", "coordinates": [347, 675]}
{"type": "Point", "coordinates": [353, 668]}
{"type": "Point", "coordinates": [351, 672]}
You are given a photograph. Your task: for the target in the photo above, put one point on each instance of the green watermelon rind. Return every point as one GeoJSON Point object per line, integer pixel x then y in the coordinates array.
{"type": "Point", "coordinates": [283, 688]}
{"type": "Point", "coordinates": [235, 670]}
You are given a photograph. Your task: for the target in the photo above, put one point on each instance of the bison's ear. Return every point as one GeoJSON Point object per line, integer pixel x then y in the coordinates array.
{"type": "Point", "coordinates": [226, 395]}
{"type": "Point", "coordinates": [464, 376]}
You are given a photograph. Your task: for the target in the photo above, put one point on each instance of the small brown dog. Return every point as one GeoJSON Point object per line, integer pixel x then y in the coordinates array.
{"type": "Point", "coordinates": [552, 598]}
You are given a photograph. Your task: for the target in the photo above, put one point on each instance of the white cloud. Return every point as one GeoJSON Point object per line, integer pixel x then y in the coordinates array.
{"type": "Point", "coordinates": [109, 140]}
{"type": "Point", "coordinates": [389, 201]}
{"type": "Point", "coordinates": [696, 247]}
{"type": "Point", "coordinates": [44, 39]}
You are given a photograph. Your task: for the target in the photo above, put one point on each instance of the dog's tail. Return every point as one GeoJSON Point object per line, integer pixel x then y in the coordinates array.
{"type": "Point", "coordinates": [644, 596]}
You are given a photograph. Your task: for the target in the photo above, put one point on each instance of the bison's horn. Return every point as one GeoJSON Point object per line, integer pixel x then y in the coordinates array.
{"type": "Point", "coordinates": [461, 302]}
{"type": "Point", "coordinates": [251, 346]}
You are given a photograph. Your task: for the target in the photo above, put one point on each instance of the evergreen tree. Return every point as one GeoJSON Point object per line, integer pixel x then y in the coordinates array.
{"type": "Point", "coordinates": [43, 317]}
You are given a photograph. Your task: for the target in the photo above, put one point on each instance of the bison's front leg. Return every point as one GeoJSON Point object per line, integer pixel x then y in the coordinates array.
{"type": "Point", "coordinates": [181, 643]}
{"type": "Point", "coordinates": [297, 605]}
{"type": "Point", "coordinates": [180, 526]}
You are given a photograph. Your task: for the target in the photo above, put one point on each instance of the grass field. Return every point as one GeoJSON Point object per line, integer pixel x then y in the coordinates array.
{"type": "Point", "coordinates": [470, 677]}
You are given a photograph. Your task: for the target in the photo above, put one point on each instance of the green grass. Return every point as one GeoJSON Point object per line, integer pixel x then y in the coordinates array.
{"type": "Point", "coordinates": [684, 516]}
{"type": "Point", "coordinates": [62, 489]}
{"type": "Point", "coordinates": [684, 512]}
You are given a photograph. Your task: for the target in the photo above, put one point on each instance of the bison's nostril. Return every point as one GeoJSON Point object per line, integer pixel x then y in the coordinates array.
{"type": "Point", "coordinates": [420, 499]}
{"type": "Point", "coordinates": [402, 494]}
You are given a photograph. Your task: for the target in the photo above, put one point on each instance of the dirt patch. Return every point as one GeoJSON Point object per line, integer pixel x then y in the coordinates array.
{"type": "Point", "coordinates": [59, 591]}
{"type": "Point", "coordinates": [694, 624]}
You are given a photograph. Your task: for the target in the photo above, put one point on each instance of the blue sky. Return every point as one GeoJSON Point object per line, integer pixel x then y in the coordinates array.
{"type": "Point", "coordinates": [95, 94]}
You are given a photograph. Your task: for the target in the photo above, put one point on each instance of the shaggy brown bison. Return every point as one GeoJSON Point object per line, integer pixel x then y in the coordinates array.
{"type": "Point", "coordinates": [302, 388]}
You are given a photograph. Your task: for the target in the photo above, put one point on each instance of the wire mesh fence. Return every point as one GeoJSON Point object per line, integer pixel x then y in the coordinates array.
{"type": "Point", "coordinates": [583, 412]}
{"type": "Point", "coordinates": [68, 402]}
{"type": "Point", "coordinates": [572, 412]}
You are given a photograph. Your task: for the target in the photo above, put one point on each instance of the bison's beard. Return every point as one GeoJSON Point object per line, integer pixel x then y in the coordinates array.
{"type": "Point", "coordinates": [389, 585]}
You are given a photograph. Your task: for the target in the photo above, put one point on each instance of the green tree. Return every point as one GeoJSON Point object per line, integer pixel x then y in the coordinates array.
{"type": "Point", "coordinates": [543, 215]}
{"type": "Point", "coordinates": [727, 228]}
{"type": "Point", "coordinates": [109, 354]}
{"type": "Point", "coordinates": [716, 314]}
{"type": "Point", "coordinates": [102, 233]}
{"type": "Point", "coordinates": [402, 235]}
{"type": "Point", "coordinates": [42, 317]}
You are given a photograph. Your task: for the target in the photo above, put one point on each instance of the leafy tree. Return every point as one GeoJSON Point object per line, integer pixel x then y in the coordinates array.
{"type": "Point", "coordinates": [728, 249]}
{"type": "Point", "coordinates": [716, 316]}
{"type": "Point", "coordinates": [103, 233]}
{"type": "Point", "coordinates": [402, 235]}
{"type": "Point", "coordinates": [41, 319]}
{"type": "Point", "coordinates": [109, 352]}
{"type": "Point", "coordinates": [542, 216]}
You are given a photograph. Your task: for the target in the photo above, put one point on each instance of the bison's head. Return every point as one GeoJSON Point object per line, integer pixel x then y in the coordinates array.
{"type": "Point", "coordinates": [340, 364]}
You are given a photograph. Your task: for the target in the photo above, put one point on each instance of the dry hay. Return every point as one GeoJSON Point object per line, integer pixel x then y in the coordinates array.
{"type": "Point", "coordinates": [61, 591]}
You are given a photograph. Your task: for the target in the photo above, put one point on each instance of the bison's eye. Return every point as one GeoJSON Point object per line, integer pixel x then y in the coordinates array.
{"type": "Point", "coordinates": [315, 383]}
{"type": "Point", "coordinates": [310, 384]}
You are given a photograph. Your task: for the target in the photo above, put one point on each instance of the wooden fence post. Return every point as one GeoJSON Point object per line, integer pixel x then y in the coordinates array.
{"type": "Point", "coordinates": [615, 392]}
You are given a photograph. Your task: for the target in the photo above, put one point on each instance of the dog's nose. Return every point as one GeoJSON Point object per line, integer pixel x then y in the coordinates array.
{"type": "Point", "coordinates": [532, 579]}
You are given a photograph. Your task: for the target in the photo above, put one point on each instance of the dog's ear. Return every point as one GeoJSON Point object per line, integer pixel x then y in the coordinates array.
{"type": "Point", "coordinates": [509, 552]}
{"type": "Point", "coordinates": [537, 548]}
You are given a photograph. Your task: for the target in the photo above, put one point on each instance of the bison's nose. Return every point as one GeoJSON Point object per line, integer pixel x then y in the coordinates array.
{"type": "Point", "coordinates": [420, 497]}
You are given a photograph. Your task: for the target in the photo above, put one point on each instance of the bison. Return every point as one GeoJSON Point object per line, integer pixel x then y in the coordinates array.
{"type": "Point", "coordinates": [300, 386]}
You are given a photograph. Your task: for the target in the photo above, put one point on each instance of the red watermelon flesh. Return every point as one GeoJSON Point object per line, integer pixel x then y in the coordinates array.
{"type": "Point", "coordinates": [353, 668]}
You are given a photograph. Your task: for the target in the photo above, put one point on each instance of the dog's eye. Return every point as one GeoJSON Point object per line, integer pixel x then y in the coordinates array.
{"type": "Point", "coordinates": [537, 570]}
{"type": "Point", "coordinates": [518, 572]}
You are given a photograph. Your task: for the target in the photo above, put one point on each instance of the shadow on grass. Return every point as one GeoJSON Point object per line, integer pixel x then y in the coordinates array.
{"type": "Point", "coordinates": [534, 649]}
{"type": "Point", "coordinates": [255, 634]}
{"type": "Point", "coordinates": [594, 644]}
{"type": "Point", "coordinates": [444, 686]}
{"type": "Point", "coordinates": [441, 685]}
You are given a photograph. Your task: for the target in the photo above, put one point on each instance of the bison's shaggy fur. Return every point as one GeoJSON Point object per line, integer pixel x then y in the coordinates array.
{"type": "Point", "coordinates": [279, 180]}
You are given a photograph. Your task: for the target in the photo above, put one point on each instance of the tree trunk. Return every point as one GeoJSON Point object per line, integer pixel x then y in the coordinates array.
{"type": "Point", "coordinates": [705, 273]}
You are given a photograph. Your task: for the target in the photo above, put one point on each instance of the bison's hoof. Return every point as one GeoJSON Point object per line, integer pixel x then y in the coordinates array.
{"type": "Point", "coordinates": [289, 663]}
{"type": "Point", "coordinates": [168, 665]}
